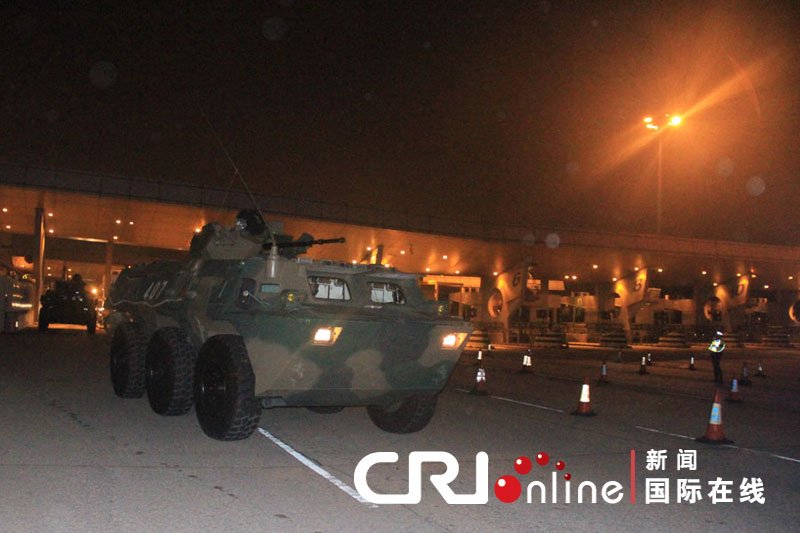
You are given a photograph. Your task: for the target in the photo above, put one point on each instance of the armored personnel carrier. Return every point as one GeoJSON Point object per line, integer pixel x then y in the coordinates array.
{"type": "Point", "coordinates": [248, 323]}
{"type": "Point", "coordinates": [68, 303]}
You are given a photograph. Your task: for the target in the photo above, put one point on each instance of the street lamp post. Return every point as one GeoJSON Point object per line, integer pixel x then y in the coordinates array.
{"type": "Point", "coordinates": [660, 180]}
{"type": "Point", "coordinates": [654, 125]}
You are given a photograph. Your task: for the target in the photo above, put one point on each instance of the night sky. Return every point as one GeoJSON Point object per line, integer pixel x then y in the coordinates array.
{"type": "Point", "coordinates": [507, 112]}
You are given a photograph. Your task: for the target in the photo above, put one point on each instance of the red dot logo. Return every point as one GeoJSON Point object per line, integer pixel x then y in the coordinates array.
{"type": "Point", "coordinates": [507, 489]}
{"type": "Point", "coordinates": [560, 465]}
{"type": "Point", "coordinates": [542, 458]}
{"type": "Point", "coordinates": [522, 465]}
{"type": "Point", "coordinates": [567, 477]}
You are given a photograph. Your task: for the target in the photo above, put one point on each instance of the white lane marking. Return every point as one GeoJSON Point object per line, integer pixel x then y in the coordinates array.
{"type": "Point", "coordinates": [528, 404]}
{"type": "Point", "coordinates": [519, 402]}
{"type": "Point", "coordinates": [666, 433]}
{"type": "Point", "coordinates": [350, 491]}
{"type": "Point", "coordinates": [782, 457]}
{"type": "Point", "coordinates": [785, 458]}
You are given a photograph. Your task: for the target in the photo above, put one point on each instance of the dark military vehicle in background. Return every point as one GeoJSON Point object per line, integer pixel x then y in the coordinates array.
{"type": "Point", "coordinates": [68, 303]}
{"type": "Point", "coordinates": [247, 323]}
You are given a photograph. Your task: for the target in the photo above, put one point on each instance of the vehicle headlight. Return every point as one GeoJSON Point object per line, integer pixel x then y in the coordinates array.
{"type": "Point", "coordinates": [326, 335]}
{"type": "Point", "coordinates": [453, 340]}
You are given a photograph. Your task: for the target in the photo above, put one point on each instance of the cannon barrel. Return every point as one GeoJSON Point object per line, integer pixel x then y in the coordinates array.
{"type": "Point", "coordinates": [304, 242]}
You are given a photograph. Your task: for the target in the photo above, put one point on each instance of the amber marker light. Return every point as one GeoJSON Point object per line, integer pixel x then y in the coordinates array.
{"type": "Point", "coordinates": [453, 340]}
{"type": "Point", "coordinates": [326, 336]}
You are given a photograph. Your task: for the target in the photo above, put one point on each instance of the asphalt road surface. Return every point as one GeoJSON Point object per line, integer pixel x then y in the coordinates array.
{"type": "Point", "coordinates": [74, 457]}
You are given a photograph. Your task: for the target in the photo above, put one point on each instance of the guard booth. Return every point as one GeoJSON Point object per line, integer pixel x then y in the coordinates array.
{"type": "Point", "coordinates": [16, 303]}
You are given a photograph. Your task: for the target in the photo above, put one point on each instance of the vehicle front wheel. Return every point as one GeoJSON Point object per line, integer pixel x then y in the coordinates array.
{"type": "Point", "coordinates": [406, 416]}
{"type": "Point", "coordinates": [224, 389]}
{"type": "Point", "coordinates": [169, 371]}
{"type": "Point", "coordinates": [128, 348]}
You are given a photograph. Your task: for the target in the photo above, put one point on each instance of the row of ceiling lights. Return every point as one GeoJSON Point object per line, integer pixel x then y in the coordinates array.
{"type": "Point", "coordinates": [402, 252]}
{"type": "Point", "coordinates": [51, 231]}
{"type": "Point", "coordinates": [575, 277]}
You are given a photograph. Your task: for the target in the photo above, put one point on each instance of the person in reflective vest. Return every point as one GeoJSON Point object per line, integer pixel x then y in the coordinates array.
{"type": "Point", "coordinates": [715, 349]}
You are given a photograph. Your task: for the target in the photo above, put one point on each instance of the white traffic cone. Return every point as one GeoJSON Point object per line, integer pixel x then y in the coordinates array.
{"type": "Point", "coordinates": [480, 388]}
{"type": "Point", "coordinates": [603, 373]}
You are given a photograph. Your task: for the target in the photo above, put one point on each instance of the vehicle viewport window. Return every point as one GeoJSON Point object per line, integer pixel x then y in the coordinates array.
{"type": "Point", "coordinates": [328, 288]}
{"type": "Point", "coordinates": [386, 293]}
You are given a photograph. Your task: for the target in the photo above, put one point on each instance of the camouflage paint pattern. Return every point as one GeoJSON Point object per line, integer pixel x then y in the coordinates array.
{"type": "Point", "coordinates": [382, 350]}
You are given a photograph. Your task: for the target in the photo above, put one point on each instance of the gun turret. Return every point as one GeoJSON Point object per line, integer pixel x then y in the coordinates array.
{"type": "Point", "coordinates": [291, 249]}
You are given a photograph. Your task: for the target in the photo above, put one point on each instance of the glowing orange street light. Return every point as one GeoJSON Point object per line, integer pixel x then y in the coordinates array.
{"type": "Point", "coordinates": [651, 124]}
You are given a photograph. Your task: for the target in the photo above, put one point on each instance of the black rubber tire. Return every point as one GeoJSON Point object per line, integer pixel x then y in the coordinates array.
{"type": "Point", "coordinates": [325, 409]}
{"type": "Point", "coordinates": [407, 416]}
{"type": "Point", "coordinates": [91, 326]}
{"type": "Point", "coordinates": [44, 320]}
{"type": "Point", "coordinates": [128, 349]}
{"type": "Point", "coordinates": [169, 372]}
{"type": "Point", "coordinates": [224, 389]}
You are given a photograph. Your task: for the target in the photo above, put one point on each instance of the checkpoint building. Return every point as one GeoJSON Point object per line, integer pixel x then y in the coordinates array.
{"type": "Point", "coordinates": [518, 284]}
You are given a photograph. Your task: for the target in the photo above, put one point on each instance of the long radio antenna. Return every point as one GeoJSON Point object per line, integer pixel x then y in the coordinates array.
{"type": "Point", "coordinates": [244, 182]}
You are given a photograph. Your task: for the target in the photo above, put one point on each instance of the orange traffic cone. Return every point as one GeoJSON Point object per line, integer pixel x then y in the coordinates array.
{"type": "Point", "coordinates": [691, 363]}
{"type": "Point", "coordinates": [480, 383]}
{"type": "Point", "coordinates": [760, 373]}
{"type": "Point", "coordinates": [479, 360]}
{"type": "Point", "coordinates": [527, 363]}
{"type": "Point", "coordinates": [649, 359]}
{"type": "Point", "coordinates": [714, 434]}
{"type": "Point", "coordinates": [585, 406]}
{"type": "Point", "coordinates": [745, 376]}
{"type": "Point", "coordinates": [643, 367]}
{"type": "Point", "coordinates": [603, 374]}
{"type": "Point", "coordinates": [733, 396]}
